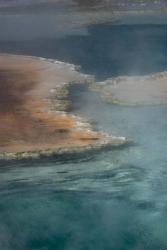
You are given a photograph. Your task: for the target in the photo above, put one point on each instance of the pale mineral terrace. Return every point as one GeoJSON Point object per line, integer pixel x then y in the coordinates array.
{"type": "Point", "coordinates": [134, 90]}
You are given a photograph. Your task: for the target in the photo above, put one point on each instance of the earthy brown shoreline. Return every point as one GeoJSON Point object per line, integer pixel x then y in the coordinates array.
{"type": "Point", "coordinates": [33, 93]}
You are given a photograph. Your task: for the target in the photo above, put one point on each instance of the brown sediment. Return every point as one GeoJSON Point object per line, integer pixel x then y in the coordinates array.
{"type": "Point", "coordinates": [32, 93]}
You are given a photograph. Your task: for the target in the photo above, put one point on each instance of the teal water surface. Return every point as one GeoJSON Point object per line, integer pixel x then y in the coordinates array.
{"type": "Point", "coordinates": [113, 200]}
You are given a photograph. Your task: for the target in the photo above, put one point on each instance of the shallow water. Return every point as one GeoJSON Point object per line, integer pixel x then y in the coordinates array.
{"type": "Point", "coordinates": [113, 200]}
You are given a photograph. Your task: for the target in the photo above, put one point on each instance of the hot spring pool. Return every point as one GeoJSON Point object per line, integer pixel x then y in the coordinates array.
{"type": "Point", "coordinates": [113, 200]}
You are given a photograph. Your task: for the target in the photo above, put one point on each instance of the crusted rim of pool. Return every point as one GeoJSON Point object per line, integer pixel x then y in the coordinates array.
{"type": "Point", "coordinates": [134, 90]}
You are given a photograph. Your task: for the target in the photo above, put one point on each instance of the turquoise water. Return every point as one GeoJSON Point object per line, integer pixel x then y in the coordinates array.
{"type": "Point", "coordinates": [113, 200]}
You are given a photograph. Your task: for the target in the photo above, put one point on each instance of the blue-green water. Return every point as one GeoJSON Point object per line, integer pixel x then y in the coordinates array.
{"type": "Point", "coordinates": [113, 200]}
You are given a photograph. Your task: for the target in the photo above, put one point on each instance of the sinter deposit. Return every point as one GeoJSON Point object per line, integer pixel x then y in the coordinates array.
{"type": "Point", "coordinates": [134, 90]}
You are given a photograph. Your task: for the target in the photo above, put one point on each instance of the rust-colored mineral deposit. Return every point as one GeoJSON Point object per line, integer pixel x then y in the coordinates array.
{"type": "Point", "coordinates": [33, 93]}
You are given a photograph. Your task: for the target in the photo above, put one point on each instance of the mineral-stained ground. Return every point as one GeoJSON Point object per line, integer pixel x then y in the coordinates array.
{"type": "Point", "coordinates": [33, 104]}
